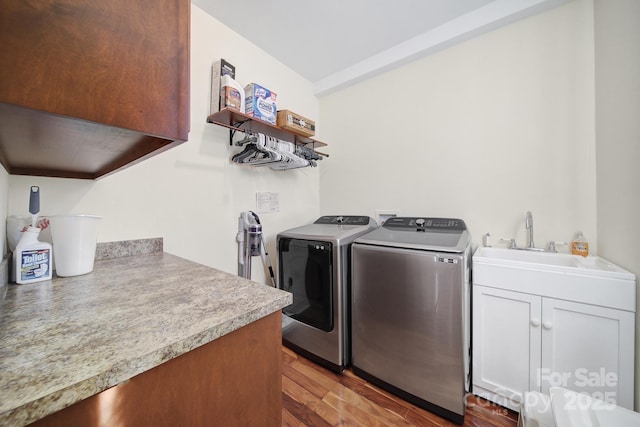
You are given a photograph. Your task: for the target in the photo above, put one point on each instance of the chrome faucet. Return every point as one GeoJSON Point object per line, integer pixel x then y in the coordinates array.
{"type": "Point", "coordinates": [528, 223]}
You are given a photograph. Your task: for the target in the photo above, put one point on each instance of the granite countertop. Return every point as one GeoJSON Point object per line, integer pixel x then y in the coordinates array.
{"type": "Point", "coordinates": [70, 338]}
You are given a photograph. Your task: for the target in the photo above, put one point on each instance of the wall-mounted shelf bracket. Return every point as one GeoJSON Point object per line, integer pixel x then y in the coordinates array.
{"type": "Point", "coordinates": [237, 126]}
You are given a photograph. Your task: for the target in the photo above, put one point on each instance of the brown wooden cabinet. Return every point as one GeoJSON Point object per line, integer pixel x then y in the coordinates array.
{"type": "Point", "coordinates": [89, 87]}
{"type": "Point", "coordinates": [235, 380]}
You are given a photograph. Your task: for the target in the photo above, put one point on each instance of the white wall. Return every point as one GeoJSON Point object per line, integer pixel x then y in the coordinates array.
{"type": "Point", "coordinates": [617, 41]}
{"type": "Point", "coordinates": [192, 195]}
{"type": "Point", "coordinates": [484, 131]}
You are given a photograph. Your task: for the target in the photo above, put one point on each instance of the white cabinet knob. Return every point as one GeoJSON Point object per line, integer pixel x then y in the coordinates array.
{"type": "Point", "coordinates": [547, 325]}
{"type": "Point", "coordinates": [535, 322]}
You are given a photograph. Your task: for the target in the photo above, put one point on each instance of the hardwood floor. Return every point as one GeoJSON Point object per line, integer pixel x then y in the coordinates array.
{"type": "Point", "coordinates": [314, 396]}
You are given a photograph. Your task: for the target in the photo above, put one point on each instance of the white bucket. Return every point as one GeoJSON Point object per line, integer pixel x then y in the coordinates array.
{"type": "Point", "coordinates": [74, 243]}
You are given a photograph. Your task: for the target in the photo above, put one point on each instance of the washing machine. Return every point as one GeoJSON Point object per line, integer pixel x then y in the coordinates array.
{"type": "Point", "coordinates": [410, 311]}
{"type": "Point", "coordinates": [314, 264]}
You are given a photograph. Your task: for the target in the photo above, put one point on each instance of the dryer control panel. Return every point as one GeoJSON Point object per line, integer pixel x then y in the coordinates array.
{"type": "Point", "coordinates": [343, 220]}
{"type": "Point", "coordinates": [426, 224]}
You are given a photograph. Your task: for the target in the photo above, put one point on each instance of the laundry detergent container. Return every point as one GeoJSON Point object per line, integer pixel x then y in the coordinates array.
{"type": "Point", "coordinates": [15, 226]}
{"type": "Point", "coordinates": [74, 243]}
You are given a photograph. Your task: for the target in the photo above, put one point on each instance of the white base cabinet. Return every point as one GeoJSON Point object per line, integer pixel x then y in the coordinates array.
{"type": "Point", "coordinates": [527, 342]}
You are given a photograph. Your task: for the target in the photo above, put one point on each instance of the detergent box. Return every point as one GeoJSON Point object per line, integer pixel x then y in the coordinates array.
{"type": "Point", "coordinates": [260, 102]}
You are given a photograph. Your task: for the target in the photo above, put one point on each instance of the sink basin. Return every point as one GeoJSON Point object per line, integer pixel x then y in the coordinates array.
{"type": "Point", "coordinates": [592, 279]}
{"type": "Point", "coordinates": [591, 265]}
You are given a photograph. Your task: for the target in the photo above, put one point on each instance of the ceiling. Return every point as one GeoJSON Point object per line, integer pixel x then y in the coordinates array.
{"type": "Point", "coordinates": [334, 43]}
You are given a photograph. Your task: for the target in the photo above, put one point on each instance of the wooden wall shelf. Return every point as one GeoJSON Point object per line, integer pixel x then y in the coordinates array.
{"type": "Point", "coordinates": [237, 121]}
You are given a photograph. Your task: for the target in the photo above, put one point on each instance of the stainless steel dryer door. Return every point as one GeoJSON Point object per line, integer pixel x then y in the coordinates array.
{"type": "Point", "coordinates": [407, 321]}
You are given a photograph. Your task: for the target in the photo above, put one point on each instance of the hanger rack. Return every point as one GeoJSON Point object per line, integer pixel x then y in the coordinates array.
{"type": "Point", "coordinates": [249, 137]}
{"type": "Point", "coordinates": [263, 150]}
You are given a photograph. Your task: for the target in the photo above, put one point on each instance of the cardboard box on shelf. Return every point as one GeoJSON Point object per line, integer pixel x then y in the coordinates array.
{"type": "Point", "coordinates": [296, 123]}
{"type": "Point", "coordinates": [260, 102]}
{"type": "Point", "coordinates": [219, 69]}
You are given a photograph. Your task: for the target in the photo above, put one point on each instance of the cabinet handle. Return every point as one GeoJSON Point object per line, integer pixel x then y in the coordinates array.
{"type": "Point", "coordinates": [547, 325]}
{"type": "Point", "coordinates": [535, 322]}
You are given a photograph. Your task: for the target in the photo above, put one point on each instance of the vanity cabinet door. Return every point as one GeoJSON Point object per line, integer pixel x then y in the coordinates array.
{"type": "Point", "coordinates": [589, 349]}
{"type": "Point", "coordinates": [506, 344]}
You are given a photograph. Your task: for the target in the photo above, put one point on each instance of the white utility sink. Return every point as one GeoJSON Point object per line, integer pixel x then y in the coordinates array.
{"type": "Point", "coordinates": [592, 279]}
{"type": "Point", "coordinates": [591, 265]}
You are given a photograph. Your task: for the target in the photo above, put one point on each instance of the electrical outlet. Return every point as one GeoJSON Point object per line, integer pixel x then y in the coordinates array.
{"type": "Point", "coordinates": [384, 214]}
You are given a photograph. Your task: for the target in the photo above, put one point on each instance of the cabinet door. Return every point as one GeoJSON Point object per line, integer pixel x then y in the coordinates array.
{"type": "Point", "coordinates": [90, 87]}
{"type": "Point", "coordinates": [506, 344]}
{"type": "Point", "coordinates": [122, 63]}
{"type": "Point", "coordinates": [589, 349]}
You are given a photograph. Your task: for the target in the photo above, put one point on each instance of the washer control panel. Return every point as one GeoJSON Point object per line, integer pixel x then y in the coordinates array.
{"type": "Point", "coordinates": [343, 220]}
{"type": "Point", "coordinates": [426, 224]}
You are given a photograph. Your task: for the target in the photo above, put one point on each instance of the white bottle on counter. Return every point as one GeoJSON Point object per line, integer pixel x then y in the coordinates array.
{"type": "Point", "coordinates": [32, 258]}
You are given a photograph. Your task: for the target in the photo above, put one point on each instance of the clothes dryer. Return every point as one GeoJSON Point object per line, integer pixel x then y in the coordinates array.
{"type": "Point", "coordinates": [314, 263]}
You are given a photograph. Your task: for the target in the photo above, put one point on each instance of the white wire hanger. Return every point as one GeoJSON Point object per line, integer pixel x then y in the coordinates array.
{"type": "Point", "coordinates": [264, 150]}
